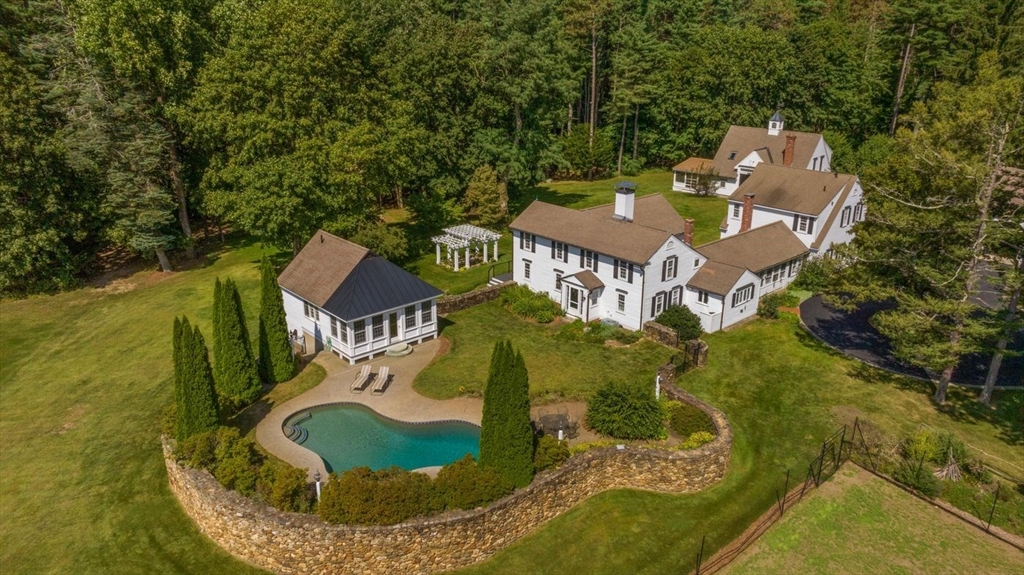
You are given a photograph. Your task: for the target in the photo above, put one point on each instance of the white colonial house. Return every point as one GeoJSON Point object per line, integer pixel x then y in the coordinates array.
{"type": "Point", "coordinates": [820, 208]}
{"type": "Point", "coordinates": [341, 296]}
{"type": "Point", "coordinates": [626, 262]}
{"type": "Point", "coordinates": [744, 148]}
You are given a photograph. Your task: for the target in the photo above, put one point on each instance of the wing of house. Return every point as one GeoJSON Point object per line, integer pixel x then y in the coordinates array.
{"type": "Point", "coordinates": [744, 148]}
{"type": "Point", "coordinates": [343, 296]}
{"type": "Point", "coordinates": [819, 207]}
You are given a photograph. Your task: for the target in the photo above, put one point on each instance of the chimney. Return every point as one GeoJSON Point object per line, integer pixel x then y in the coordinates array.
{"type": "Point", "coordinates": [748, 212]}
{"type": "Point", "coordinates": [625, 194]}
{"type": "Point", "coordinates": [688, 231]}
{"type": "Point", "coordinates": [787, 156]}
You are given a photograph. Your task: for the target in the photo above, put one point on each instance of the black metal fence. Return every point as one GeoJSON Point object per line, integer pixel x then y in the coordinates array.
{"type": "Point", "coordinates": [690, 354]}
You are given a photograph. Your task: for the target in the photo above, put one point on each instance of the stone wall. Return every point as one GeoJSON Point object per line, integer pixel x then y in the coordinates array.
{"type": "Point", "coordinates": [661, 333]}
{"type": "Point", "coordinates": [296, 543]}
{"type": "Point", "coordinates": [452, 303]}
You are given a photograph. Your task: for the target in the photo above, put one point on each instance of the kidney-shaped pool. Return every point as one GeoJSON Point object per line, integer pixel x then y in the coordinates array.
{"type": "Point", "coordinates": [349, 435]}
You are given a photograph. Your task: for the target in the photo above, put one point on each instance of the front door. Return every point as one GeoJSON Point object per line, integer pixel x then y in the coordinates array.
{"type": "Point", "coordinates": [393, 335]}
{"type": "Point", "coordinates": [576, 302]}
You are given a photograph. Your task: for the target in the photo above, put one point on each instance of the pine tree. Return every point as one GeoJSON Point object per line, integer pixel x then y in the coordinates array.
{"type": "Point", "coordinates": [176, 343]}
{"type": "Point", "coordinates": [237, 377]}
{"type": "Point", "coordinates": [194, 389]}
{"type": "Point", "coordinates": [276, 360]}
{"type": "Point", "coordinates": [506, 437]}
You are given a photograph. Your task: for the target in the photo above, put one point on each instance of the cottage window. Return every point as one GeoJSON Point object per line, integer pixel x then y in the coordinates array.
{"type": "Point", "coordinates": [794, 267]}
{"type": "Point", "coordinates": [736, 211]}
{"type": "Point", "coordinates": [803, 224]}
{"type": "Point", "coordinates": [311, 311]}
{"type": "Point", "coordinates": [334, 328]}
{"type": "Point", "coordinates": [378, 326]}
{"type": "Point", "coordinates": [675, 293]}
{"type": "Point", "coordinates": [360, 332]}
{"type": "Point", "coordinates": [559, 251]}
{"type": "Point", "coordinates": [527, 241]}
{"type": "Point", "coordinates": [622, 301]}
{"type": "Point", "coordinates": [844, 220]}
{"type": "Point", "coordinates": [702, 297]}
{"type": "Point", "coordinates": [668, 268]}
{"type": "Point", "coordinates": [410, 316]}
{"type": "Point", "coordinates": [526, 269]}
{"type": "Point", "coordinates": [696, 263]}
{"type": "Point", "coordinates": [743, 295]}
{"type": "Point", "coordinates": [658, 305]}
{"type": "Point", "coordinates": [622, 270]}
{"type": "Point", "coordinates": [558, 280]}
{"type": "Point", "coordinates": [589, 260]}
{"type": "Point", "coordinates": [426, 313]}
{"type": "Point", "coordinates": [858, 212]}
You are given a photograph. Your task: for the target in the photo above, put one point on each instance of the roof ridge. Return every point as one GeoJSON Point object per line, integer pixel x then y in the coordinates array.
{"type": "Point", "coordinates": [736, 235]}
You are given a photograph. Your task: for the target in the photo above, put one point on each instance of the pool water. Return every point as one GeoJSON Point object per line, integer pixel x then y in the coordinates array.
{"type": "Point", "coordinates": [347, 436]}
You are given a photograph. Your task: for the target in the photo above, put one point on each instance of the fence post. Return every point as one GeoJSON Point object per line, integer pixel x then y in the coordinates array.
{"type": "Point", "coordinates": [842, 444]}
{"type": "Point", "coordinates": [700, 556]}
{"type": "Point", "coordinates": [821, 463]}
{"type": "Point", "coordinates": [785, 493]}
{"type": "Point", "coordinates": [992, 512]}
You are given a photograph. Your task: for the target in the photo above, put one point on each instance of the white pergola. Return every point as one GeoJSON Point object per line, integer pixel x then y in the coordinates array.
{"type": "Point", "coordinates": [468, 237]}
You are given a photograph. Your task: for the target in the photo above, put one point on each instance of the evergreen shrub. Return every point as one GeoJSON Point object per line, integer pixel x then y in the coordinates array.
{"type": "Point", "coordinates": [686, 419]}
{"type": "Point", "coordinates": [465, 485]}
{"type": "Point", "coordinates": [506, 433]}
{"type": "Point", "coordinates": [194, 394]}
{"type": "Point", "coordinates": [680, 318]}
{"type": "Point", "coordinates": [697, 439]}
{"type": "Point", "coordinates": [549, 453]}
{"type": "Point", "coordinates": [276, 362]}
{"type": "Point", "coordinates": [626, 411]}
{"type": "Point", "coordinates": [236, 374]}
{"type": "Point", "coordinates": [768, 306]}
{"type": "Point", "coordinates": [918, 475]}
{"type": "Point", "coordinates": [363, 497]}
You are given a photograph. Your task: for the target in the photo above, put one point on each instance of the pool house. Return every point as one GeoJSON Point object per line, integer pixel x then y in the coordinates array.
{"type": "Point", "coordinates": [342, 297]}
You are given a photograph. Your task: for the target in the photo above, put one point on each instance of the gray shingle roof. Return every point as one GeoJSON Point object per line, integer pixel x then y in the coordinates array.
{"type": "Point", "coordinates": [349, 281]}
{"type": "Point", "coordinates": [793, 189]}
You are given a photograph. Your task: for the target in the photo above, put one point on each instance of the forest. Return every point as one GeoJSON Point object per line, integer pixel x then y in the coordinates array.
{"type": "Point", "coordinates": [128, 124]}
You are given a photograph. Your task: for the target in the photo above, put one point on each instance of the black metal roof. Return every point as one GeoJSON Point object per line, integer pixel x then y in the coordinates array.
{"type": "Point", "coordinates": [376, 285]}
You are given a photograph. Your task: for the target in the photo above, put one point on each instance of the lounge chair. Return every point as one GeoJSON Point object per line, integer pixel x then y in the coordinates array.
{"type": "Point", "coordinates": [381, 381]}
{"type": "Point", "coordinates": [362, 380]}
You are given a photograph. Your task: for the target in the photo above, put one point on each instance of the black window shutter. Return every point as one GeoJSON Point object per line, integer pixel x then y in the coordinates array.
{"type": "Point", "coordinates": [533, 243]}
{"type": "Point", "coordinates": [630, 280]}
{"type": "Point", "coordinates": [810, 225]}
{"type": "Point", "coordinates": [664, 270]}
{"type": "Point", "coordinates": [522, 239]}
{"type": "Point", "coordinates": [734, 294]}
{"type": "Point", "coordinates": [796, 221]}
{"type": "Point", "coordinates": [597, 259]}
{"type": "Point", "coordinates": [675, 266]}
{"type": "Point", "coordinates": [552, 249]}
{"type": "Point", "coordinates": [565, 253]}
{"type": "Point", "coordinates": [654, 302]}
{"type": "Point", "coordinates": [615, 269]}
{"type": "Point", "coordinates": [582, 261]}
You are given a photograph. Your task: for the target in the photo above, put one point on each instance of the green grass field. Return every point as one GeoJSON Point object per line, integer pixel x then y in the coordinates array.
{"type": "Point", "coordinates": [706, 212]}
{"type": "Point", "coordinates": [558, 369]}
{"type": "Point", "coordinates": [857, 523]}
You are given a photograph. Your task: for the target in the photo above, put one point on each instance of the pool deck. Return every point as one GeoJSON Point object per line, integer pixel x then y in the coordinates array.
{"type": "Point", "coordinates": [399, 402]}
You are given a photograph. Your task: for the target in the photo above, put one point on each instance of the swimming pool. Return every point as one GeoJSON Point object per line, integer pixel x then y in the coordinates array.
{"type": "Point", "coordinates": [350, 435]}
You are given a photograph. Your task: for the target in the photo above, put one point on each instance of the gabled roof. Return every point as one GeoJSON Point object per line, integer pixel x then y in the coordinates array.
{"type": "Point", "coordinates": [743, 140]}
{"type": "Point", "coordinates": [793, 189]}
{"type": "Point", "coordinates": [824, 229]}
{"type": "Point", "coordinates": [349, 281]}
{"type": "Point", "coordinates": [587, 279]}
{"type": "Point", "coordinates": [654, 222]}
{"type": "Point", "coordinates": [756, 249]}
{"type": "Point", "coordinates": [716, 277]}
{"type": "Point", "coordinates": [692, 165]}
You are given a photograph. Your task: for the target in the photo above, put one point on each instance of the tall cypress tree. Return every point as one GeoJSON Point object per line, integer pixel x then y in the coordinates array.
{"type": "Point", "coordinates": [276, 360]}
{"type": "Point", "coordinates": [237, 376]}
{"type": "Point", "coordinates": [176, 343]}
{"type": "Point", "coordinates": [218, 336]}
{"type": "Point", "coordinates": [506, 436]}
{"type": "Point", "coordinates": [194, 390]}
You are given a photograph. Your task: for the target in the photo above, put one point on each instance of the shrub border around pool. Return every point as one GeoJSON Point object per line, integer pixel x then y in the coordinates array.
{"type": "Point", "coordinates": [285, 542]}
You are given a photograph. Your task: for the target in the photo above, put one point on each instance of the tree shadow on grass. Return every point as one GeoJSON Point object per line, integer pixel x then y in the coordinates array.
{"type": "Point", "coordinates": [544, 194]}
{"type": "Point", "coordinates": [443, 323]}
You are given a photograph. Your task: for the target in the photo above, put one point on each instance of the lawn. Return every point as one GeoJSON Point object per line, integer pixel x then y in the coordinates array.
{"type": "Point", "coordinates": [558, 369]}
{"type": "Point", "coordinates": [858, 523]}
{"type": "Point", "coordinates": [783, 392]}
{"type": "Point", "coordinates": [706, 212]}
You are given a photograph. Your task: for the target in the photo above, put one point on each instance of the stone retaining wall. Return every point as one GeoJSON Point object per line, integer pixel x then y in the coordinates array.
{"type": "Point", "coordinates": [661, 333]}
{"type": "Point", "coordinates": [453, 303]}
{"type": "Point", "coordinates": [296, 543]}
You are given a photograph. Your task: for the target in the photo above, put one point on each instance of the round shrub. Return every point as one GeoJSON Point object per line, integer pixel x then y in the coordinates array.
{"type": "Point", "coordinates": [768, 306]}
{"type": "Point", "coordinates": [285, 488]}
{"type": "Point", "coordinates": [466, 485]}
{"type": "Point", "coordinates": [922, 446]}
{"type": "Point", "coordinates": [626, 411]}
{"type": "Point", "coordinates": [919, 477]}
{"type": "Point", "coordinates": [686, 419]}
{"type": "Point", "coordinates": [697, 439]}
{"type": "Point", "coordinates": [685, 322]}
{"type": "Point", "coordinates": [363, 497]}
{"type": "Point", "coordinates": [549, 453]}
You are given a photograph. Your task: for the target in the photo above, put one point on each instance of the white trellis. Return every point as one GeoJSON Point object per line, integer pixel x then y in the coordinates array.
{"type": "Point", "coordinates": [469, 238]}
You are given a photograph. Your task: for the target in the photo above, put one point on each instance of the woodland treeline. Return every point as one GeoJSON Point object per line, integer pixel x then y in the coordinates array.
{"type": "Point", "coordinates": [125, 123]}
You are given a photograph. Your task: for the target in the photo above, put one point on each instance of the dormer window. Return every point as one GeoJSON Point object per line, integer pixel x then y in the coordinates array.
{"type": "Point", "coordinates": [732, 155]}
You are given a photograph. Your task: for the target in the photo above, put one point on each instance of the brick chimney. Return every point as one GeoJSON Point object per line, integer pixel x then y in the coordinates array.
{"type": "Point", "coordinates": [688, 231]}
{"type": "Point", "coordinates": [748, 212]}
{"type": "Point", "coordinates": [787, 156]}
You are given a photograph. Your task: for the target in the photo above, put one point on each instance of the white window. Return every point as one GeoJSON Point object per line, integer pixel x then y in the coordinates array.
{"type": "Point", "coordinates": [526, 269]}
{"type": "Point", "coordinates": [659, 304]}
{"type": "Point", "coordinates": [311, 311]}
{"type": "Point", "coordinates": [702, 297]}
{"type": "Point", "coordinates": [410, 316]}
{"type": "Point", "coordinates": [803, 224]}
{"type": "Point", "coordinates": [622, 302]}
{"type": "Point", "coordinates": [334, 328]}
{"type": "Point", "coordinates": [696, 263]}
{"type": "Point", "coordinates": [674, 295]}
{"type": "Point", "coordinates": [844, 220]}
{"type": "Point", "coordinates": [735, 211]}
{"type": "Point", "coordinates": [360, 331]}
{"type": "Point", "coordinates": [858, 212]}
{"type": "Point", "coordinates": [589, 260]}
{"type": "Point", "coordinates": [623, 269]}
{"type": "Point", "coordinates": [378, 326]}
{"type": "Point", "coordinates": [343, 331]}
{"type": "Point", "coordinates": [743, 295]}
{"type": "Point", "coordinates": [669, 268]}
{"type": "Point", "coordinates": [526, 241]}
{"type": "Point", "coordinates": [426, 313]}
{"type": "Point", "coordinates": [794, 267]}
{"type": "Point", "coordinates": [558, 280]}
